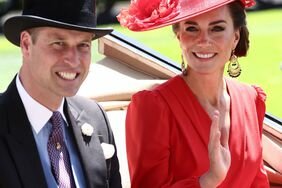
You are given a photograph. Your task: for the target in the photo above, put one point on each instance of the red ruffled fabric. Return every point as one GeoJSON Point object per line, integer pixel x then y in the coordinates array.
{"type": "Point", "coordinates": [147, 13]}
{"type": "Point", "coordinates": [248, 3]}
{"type": "Point", "coordinates": [144, 13]}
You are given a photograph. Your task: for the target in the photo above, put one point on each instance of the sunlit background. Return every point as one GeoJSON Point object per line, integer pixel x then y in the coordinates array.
{"type": "Point", "coordinates": [262, 66]}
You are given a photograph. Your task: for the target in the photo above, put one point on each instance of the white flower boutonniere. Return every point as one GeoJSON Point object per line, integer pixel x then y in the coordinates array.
{"type": "Point", "coordinates": [87, 129]}
{"type": "Point", "coordinates": [108, 150]}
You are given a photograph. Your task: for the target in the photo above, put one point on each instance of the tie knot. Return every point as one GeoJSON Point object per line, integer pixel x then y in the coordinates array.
{"type": "Point", "coordinates": [57, 119]}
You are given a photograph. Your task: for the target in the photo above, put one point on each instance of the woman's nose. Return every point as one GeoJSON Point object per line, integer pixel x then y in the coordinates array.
{"type": "Point", "coordinates": [204, 39]}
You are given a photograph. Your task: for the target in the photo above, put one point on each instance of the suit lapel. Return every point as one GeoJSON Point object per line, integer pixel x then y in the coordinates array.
{"type": "Point", "coordinates": [21, 142]}
{"type": "Point", "coordinates": [89, 148]}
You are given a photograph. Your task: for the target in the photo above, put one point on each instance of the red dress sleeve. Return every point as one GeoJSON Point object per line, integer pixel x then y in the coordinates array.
{"type": "Point", "coordinates": [148, 125]}
{"type": "Point", "coordinates": [260, 105]}
{"type": "Point", "coordinates": [261, 180]}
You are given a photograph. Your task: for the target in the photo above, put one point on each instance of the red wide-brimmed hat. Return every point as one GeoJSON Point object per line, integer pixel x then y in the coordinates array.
{"type": "Point", "coordinates": [144, 15]}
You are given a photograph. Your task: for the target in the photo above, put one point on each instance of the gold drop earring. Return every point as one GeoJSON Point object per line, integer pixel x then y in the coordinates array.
{"type": "Point", "coordinates": [183, 67]}
{"type": "Point", "coordinates": [234, 69]}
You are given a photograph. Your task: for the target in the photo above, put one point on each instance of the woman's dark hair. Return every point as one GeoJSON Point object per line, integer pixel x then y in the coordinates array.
{"type": "Point", "coordinates": [238, 16]}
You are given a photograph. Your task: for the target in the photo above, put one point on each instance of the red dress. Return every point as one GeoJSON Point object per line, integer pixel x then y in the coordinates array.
{"type": "Point", "coordinates": [167, 134]}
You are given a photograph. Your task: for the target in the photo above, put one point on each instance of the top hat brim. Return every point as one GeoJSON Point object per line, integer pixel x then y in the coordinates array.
{"type": "Point", "coordinates": [14, 26]}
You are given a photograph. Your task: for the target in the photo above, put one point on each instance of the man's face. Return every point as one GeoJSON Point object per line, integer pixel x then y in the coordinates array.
{"type": "Point", "coordinates": [55, 62]}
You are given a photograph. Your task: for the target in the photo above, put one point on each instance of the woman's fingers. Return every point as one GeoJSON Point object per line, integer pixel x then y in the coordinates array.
{"type": "Point", "coordinates": [224, 138]}
{"type": "Point", "coordinates": [219, 153]}
{"type": "Point", "coordinates": [218, 136]}
{"type": "Point", "coordinates": [214, 132]}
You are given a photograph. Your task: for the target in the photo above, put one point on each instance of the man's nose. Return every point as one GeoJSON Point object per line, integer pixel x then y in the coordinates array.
{"type": "Point", "coordinates": [71, 56]}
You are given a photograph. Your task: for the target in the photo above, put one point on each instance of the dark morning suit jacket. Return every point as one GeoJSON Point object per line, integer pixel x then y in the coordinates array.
{"type": "Point", "coordinates": [20, 165]}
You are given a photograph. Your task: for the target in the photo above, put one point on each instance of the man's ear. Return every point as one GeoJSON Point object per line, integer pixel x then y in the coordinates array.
{"type": "Point", "coordinates": [25, 42]}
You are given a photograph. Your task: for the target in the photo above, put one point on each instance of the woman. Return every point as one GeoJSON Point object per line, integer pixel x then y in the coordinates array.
{"type": "Point", "coordinates": [198, 129]}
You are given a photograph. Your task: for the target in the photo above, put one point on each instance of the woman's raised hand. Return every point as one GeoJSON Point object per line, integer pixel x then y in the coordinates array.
{"type": "Point", "coordinates": [219, 155]}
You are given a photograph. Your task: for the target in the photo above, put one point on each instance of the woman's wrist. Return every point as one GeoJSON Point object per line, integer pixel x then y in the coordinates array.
{"type": "Point", "coordinates": [207, 180]}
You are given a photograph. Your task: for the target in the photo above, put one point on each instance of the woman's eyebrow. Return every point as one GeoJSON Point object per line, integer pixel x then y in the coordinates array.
{"type": "Point", "coordinates": [191, 23]}
{"type": "Point", "coordinates": [217, 22]}
{"type": "Point", "coordinates": [212, 23]}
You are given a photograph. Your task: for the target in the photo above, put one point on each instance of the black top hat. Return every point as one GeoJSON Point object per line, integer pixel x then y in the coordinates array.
{"type": "Point", "coordinates": [68, 14]}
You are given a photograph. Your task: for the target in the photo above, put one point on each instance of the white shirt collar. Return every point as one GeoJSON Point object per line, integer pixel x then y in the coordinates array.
{"type": "Point", "coordinates": [38, 115]}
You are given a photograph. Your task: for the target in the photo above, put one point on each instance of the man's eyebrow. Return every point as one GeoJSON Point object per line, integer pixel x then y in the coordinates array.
{"type": "Point", "coordinates": [57, 36]}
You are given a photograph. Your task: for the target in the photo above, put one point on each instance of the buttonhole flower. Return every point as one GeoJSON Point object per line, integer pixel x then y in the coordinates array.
{"type": "Point", "coordinates": [87, 129]}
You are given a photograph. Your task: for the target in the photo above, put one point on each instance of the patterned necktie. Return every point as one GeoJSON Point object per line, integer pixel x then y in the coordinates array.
{"type": "Point", "coordinates": [58, 154]}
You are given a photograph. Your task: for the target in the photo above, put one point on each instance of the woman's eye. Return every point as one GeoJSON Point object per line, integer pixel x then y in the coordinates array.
{"type": "Point", "coordinates": [191, 29]}
{"type": "Point", "coordinates": [218, 28]}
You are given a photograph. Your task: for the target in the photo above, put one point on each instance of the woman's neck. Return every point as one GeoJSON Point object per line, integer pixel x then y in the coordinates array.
{"type": "Point", "coordinates": [206, 88]}
{"type": "Point", "coordinates": [210, 91]}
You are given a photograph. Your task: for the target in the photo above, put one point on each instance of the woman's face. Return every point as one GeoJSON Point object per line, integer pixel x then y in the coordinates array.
{"type": "Point", "coordinates": [207, 40]}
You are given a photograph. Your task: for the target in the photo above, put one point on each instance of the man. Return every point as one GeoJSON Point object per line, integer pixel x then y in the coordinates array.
{"type": "Point", "coordinates": [47, 137]}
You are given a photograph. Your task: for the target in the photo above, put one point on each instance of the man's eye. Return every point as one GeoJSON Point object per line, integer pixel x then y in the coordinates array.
{"type": "Point", "coordinates": [85, 46]}
{"type": "Point", "coordinates": [218, 28]}
{"type": "Point", "coordinates": [59, 43]}
{"type": "Point", "coordinates": [191, 29]}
